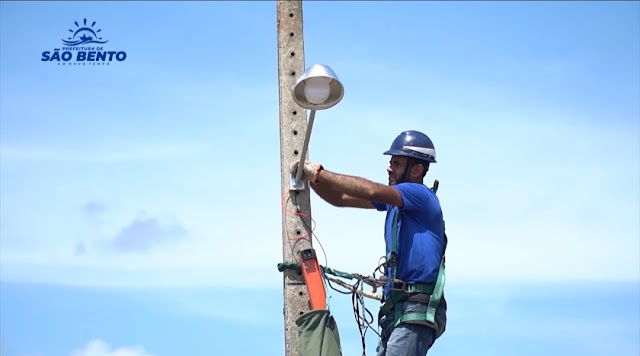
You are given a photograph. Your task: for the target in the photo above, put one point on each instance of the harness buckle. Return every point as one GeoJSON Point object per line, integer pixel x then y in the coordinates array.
{"type": "Point", "coordinates": [404, 287]}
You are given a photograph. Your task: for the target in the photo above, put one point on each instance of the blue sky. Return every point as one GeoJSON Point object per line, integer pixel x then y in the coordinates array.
{"type": "Point", "coordinates": [140, 201]}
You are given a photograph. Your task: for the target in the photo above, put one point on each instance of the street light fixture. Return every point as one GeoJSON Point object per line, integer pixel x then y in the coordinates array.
{"type": "Point", "coordinates": [318, 88]}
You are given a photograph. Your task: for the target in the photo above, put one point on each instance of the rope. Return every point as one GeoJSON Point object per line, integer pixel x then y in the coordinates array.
{"type": "Point", "coordinates": [352, 289]}
{"type": "Point", "coordinates": [375, 283]}
{"type": "Point", "coordinates": [295, 266]}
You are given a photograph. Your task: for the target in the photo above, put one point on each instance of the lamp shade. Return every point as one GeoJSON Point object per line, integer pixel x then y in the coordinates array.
{"type": "Point", "coordinates": [318, 88]}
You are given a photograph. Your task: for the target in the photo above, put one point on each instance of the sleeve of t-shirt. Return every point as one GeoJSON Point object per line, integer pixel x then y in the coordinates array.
{"type": "Point", "coordinates": [414, 196]}
{"type": "Point", "coordinates": [379, 206]}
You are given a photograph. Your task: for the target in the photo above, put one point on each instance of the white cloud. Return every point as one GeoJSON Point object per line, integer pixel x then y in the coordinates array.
{"type": "Point", "coordinates": [99, 347]}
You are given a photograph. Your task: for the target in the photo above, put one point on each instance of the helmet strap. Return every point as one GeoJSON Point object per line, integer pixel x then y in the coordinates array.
{"type": "Point", "coordinates": [407, 168]}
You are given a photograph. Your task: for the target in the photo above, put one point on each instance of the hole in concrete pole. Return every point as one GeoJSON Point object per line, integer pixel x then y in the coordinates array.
{"type": "Point", "coordinates": [298, 232]}
{"type": "Point", "coordinates": [300, 293]}
{"type": "Point", "coordinates": [295, 132]}
{"type": "Point", "coordinates": [295, 112]}
{"type": "Point", "coordinates": [301, 312]}
{"type": "Point", "coordinates": [293, 72]}
{"type": "Point", "coordinates": [291, 14]}
{"type": "Point", "coordinates": [292, 54]}
{"type": "Point", "coordinates": [291, 34]}
{"type": "Point", "coordinates": [295, 152]}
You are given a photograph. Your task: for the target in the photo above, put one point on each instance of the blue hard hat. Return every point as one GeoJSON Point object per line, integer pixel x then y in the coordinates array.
{"type": "Point", "coordinates": [414, 144]}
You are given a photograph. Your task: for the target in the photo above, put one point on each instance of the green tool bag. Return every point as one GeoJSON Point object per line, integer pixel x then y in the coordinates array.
{"type": "Point", "coordinates": [318, 334]}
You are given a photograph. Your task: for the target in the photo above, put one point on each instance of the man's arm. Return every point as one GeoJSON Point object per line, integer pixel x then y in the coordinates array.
{"type": "Point", "coordinates": [358, 191]}
{"type": "Point", "coordinates": [336, 198]}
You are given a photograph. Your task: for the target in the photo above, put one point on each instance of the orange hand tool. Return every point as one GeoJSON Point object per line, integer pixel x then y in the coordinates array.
{"type": "Point", "coordinates": [313, 279]}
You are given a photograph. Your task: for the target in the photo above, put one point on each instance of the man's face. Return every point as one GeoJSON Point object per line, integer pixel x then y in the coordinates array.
{"type": "Point", "coordinates": [397, 164]}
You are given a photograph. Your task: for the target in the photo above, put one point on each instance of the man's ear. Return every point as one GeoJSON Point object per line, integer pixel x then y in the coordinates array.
{"type": "Point", "coordinates": [417, 170]}
{"type": "Point", "coordinates": [422, 169]}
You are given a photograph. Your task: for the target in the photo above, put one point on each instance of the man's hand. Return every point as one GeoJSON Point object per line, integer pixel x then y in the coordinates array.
{"type": "Point", "coordinates": [310, 170]}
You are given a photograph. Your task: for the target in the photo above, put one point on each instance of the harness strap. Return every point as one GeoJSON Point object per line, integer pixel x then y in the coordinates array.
{"type": "Point", "coordinates": [432, 306]}
{"type": "Point", "coordinates": [420, 288]}
{"type": "Point", "coordinates": [393, 257]}
{"type": "Point", "coordinates": [437, 295]}
{"type": "Point", "coordinates": [434, 291]}
{"type": "Point", "coordinates": [407, 293]}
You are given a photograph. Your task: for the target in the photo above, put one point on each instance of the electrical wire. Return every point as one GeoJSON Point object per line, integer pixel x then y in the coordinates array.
{"type": "Point", "coordinates": [359, 309]}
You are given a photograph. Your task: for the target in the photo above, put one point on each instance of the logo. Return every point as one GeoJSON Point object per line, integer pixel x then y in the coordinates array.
{"type": "Point", "coordinates": [83, 46]}
{"type": "Point", "coordinates": [84, 35]}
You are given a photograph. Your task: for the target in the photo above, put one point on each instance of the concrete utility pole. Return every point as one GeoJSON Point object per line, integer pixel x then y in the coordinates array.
{"type": "Point", "coordinates": [293, 125]}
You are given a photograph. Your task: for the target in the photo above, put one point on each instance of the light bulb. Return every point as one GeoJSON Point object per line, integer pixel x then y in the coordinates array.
{"type": "Point", "coordinates": [317, 89]}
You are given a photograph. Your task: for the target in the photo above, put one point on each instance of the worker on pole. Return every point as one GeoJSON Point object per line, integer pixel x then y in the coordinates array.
{"type": "Point", "coordinates": [413, 315]}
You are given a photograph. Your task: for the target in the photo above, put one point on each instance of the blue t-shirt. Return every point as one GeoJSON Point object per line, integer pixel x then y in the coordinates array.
{"type": "Point", "coordinates": [420, 243]}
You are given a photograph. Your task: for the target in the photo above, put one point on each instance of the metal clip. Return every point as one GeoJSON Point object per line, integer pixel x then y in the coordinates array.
{"type": "Point", "coordinates": [404, 287]}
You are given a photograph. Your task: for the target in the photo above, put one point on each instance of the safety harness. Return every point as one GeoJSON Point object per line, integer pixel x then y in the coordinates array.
{"type": "Point", "coordinates": [417, 291]}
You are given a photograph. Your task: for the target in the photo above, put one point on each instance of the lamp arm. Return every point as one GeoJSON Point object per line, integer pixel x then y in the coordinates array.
{"type": "Point", "coordinates": [305, 146]}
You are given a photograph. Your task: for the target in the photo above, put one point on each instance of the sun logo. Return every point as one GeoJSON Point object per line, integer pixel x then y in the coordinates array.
{"type": "Point", "coordinates": [83, 35]}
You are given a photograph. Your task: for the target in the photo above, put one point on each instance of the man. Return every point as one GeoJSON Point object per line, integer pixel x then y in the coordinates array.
{"type": "Point", "coordinates": [413, 315]}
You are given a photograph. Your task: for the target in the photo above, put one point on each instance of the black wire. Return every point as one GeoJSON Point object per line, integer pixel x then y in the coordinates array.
{"type": "Point", "coordinates": [356, 312]}
{"type": "Point", "coordinates": [326, 263]}
{"type": "Point", "coordinates": [324, 253]}
{"type": "Point", "coordinates": [361, 318]}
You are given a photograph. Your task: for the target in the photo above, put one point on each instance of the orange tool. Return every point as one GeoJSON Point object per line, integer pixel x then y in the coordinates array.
{"type": "Point", "coordinates": [313, 278]}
